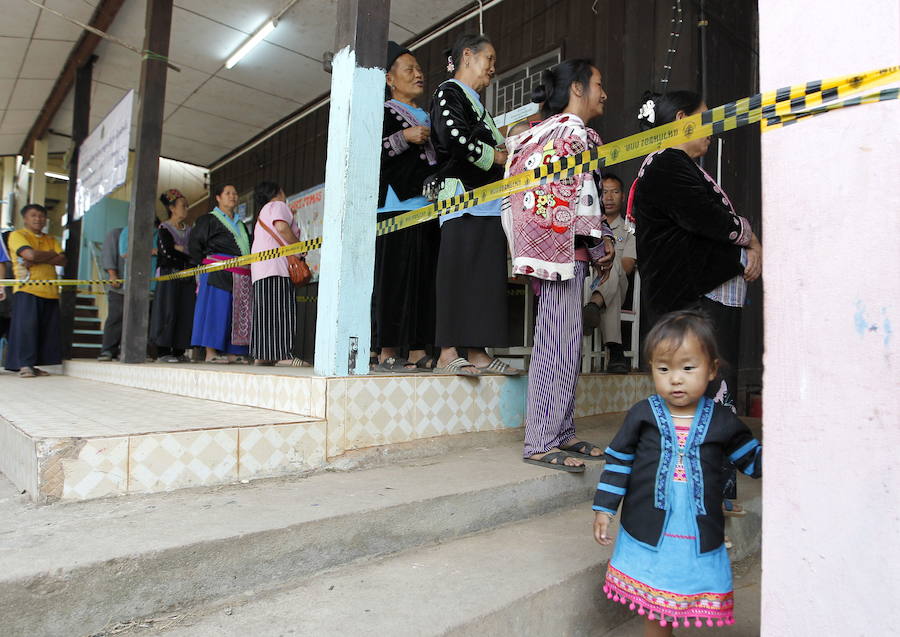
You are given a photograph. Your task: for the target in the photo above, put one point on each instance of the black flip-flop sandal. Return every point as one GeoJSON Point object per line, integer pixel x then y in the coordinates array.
{"type": "Point", "coordinates": [395, 365]}
{"type": "Point", "coordinates": [547, 461]}
{"type": "Point", "coordinates": [582, 450]}
{"type": "Point", "coordinates": [428, 363]}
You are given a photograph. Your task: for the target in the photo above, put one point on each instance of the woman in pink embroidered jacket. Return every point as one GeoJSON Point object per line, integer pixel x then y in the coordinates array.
{"type": "Point", "coordinates": [555, 231]}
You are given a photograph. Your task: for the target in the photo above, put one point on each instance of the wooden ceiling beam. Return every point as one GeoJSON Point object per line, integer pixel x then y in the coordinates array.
{"type": "Point", "coordinates": [102, 18]}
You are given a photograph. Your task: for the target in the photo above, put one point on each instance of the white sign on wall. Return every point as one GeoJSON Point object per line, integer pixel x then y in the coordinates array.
{"type": "Point", "coordinates": [308, 208]}
{"type": "Point", "coordinates": [103, 157]}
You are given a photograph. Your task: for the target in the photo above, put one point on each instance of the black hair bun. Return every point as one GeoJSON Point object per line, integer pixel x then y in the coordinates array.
{"type": "Point", "coordinates": [539, 94]}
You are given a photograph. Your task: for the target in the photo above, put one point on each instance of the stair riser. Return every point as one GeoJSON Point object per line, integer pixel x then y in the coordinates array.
{"type": "Point", "coordinates": [86, 599]}
{"type": "Point", "coordinates": [575, 607]}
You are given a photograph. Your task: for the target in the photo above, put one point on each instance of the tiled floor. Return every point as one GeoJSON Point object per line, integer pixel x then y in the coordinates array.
{"type": "Point", "coordinates": [72, 439]}
{"type": "Point", "coordinates": [60, 406]}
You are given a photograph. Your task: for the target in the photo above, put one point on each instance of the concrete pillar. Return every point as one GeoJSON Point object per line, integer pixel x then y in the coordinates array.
{"type": "Point", "coordinates": [38, 191]}
{"type": "Point", "coordinates": [7, 215]}
{"type": "Point", "coordinates": [343, 334]}
{"type": "Point", "coordinates": [832, 279]}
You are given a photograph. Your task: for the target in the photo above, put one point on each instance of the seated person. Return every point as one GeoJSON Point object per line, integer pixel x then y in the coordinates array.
{"type": "Point", "coordinates": [604, 309]}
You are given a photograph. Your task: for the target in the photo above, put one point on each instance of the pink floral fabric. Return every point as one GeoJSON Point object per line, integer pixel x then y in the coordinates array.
{"type": "Point", "coordinates": [541, 223]}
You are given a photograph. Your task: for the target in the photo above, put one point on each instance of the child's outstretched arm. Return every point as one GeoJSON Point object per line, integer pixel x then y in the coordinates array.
{"type": "Point", "coordinates": [744, 450]}
{"type": "Point", "coordinates": [615, 477]}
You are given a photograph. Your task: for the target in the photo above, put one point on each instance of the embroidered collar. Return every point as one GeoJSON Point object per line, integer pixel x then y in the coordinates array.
{"type": "Point", "coordinates": [236, 228]}
{"type": "Point", "coordinates": [480, 110]}
{"type": "Point", "coordinates": [411, 115]}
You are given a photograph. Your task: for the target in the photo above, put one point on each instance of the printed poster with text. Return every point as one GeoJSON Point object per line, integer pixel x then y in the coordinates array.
{"type": "Point", "coordinates": [103, 157]}
{"type": "Point", "coordinates": [308, 208]}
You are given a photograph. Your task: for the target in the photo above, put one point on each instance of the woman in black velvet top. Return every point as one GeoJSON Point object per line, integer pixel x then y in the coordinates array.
{"type": "Point", "coordinates": [694, 249]}
{"type": "Point", "coordinates": [223, 312]}
{"type": "Point", "coordinates": [173, 305]}
{"type": "Point", "coordinates": [472, 264]}
{"type": "Point", "coordinates": [405, 260]}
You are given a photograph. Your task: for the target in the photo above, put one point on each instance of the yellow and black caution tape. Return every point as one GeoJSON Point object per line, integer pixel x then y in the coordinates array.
{"type": "Point", "coordinates": [772, 109]}
{"type": "Point", "coordinates": [58, 282]}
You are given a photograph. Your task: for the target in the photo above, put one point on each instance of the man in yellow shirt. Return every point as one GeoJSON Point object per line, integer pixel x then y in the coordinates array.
{"type": "Point", "coordinates": [34, 331]}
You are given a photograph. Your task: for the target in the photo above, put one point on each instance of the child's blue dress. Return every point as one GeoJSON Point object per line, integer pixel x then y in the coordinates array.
{"type": "Point", "coordinates": [673, 582]}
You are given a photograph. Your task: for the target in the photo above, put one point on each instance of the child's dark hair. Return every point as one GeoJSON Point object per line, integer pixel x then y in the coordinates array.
{"type": "Point", "coordinates": [672, 328]}
{"type": "Point", "coordinates": [553, 91]}
{"type": "Point", "coordinates": [657, 109]}
{"type": "Point", "coordinates": [264, 192]}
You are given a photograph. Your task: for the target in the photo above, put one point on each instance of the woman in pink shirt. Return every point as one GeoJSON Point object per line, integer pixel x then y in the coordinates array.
{"type": "Point", "coordinates": [274, 298]}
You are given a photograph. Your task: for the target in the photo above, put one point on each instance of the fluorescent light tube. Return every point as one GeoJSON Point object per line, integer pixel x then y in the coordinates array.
{"type": "Point", "coordinates": [58, 176]}
{"type": "Point", "coordinates": [247, 46]}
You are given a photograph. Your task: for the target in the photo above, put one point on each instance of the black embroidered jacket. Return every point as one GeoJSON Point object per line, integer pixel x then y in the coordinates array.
{"type": "Point", "coordinates": [641, 460]}
{"type": "Point", "coordinates": [686, 232]}
{"type": "Point", "coordinates": [404, 166]}
{"type": "Point", "coordinates": [208, 237]}
{"type": "Point", "coordinates": [464, 136]}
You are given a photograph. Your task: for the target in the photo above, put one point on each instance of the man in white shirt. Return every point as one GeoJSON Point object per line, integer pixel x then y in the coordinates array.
{"type": "Point", "coordinates": [604, 309]}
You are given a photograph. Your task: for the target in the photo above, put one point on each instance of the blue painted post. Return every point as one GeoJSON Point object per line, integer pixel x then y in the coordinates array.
{"type": "Point", "coordinates": [343, 324]}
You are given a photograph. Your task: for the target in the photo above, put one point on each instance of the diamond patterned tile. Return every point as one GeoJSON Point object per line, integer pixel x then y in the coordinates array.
{"type": "Point", "coordinates": [158, 462]}
{"type": "Point", "coordinates": [335, 415]}
{"type": "Point", "coordinates": [99, 469]}
{"type": "Point", "coordinates": [379, 411]}
{"type": "Point", "coordinates": [280, 449]}
{"type": "Point", "coordinates": [447, 405]}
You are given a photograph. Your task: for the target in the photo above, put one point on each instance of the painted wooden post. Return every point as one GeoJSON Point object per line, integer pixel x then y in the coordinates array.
{"type": "Point", "coordinates": [80, 126]}
{"type": "Point", "coordinates": [38, 189]}
{"type": "Point", "coordinates": [152, 95]}
{"type": "Point", "coordinates": [9, 171]}
{"type": "Point", "coordinates": [343, 332]}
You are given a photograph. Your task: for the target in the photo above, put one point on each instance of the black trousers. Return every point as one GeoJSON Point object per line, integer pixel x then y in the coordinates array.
{"type": "Point", "coordinates": [112, 328]}
{"type": "Point", "coordinates": [34, 332]}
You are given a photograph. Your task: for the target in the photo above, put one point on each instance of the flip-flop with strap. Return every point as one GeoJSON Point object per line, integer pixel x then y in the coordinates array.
{"type": "Point", "coordinates": [458, 367]}
{"type": "Point", "coordinates": [26, 372]}
{"type": "Point", "coordinates": [499, 368]}
{"type": "Point", "coordinates": [428, 363]}
{"type": "Point", "coordinates": [582, 450]}
{"type": "Point", "coordinates": [40, 372]}
{"type": "Point", "coordinates": [560, 456]}
{"type": "Point", "coordinates": [395, 365]}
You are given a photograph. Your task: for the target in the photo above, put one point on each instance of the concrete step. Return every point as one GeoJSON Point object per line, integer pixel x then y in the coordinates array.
{"type": "Point", "coordinates": [76, 569]}
{"type": "Point", "coordinates": [537, 577]}
{"type": "Point", "coordinates": [72, 569]}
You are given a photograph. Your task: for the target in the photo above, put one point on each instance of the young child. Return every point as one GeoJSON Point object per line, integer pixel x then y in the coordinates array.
{"type": "Point", "coordinates": [670, 562]}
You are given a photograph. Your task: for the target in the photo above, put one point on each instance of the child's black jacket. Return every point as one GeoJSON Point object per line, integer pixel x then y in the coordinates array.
{"type": "Point", "coordinates": [640, 460]}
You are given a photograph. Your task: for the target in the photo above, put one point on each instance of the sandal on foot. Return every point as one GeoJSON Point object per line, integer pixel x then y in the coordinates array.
{"type": "Point", "coordinates": [582, 450]}
{"type": "Point", "coordinates": [27, 372]}
{"type": "Point", "coordinates": [40, 372]}
{"type": "Point", "coordinates": [458, 367]}
{"type": "Point", "coordinates": [428, 363]}
{"type": "Point", "coordinates": [499, 368]}
{"type": "Point", "coordinates": [547, 460]}
{"type": "Point", "coordinates": [395, 365]}
{"type": "Point", "coordinates": [218, 360]}
{"type": "Point", "coordinates": [733, 509]}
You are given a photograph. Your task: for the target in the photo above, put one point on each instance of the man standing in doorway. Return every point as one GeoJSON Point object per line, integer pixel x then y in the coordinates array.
{"type": "Point", "coordinates": [604, 309]}
{"type": "Point", "coordinates": [114, 265]}
{"type": "Point", "coordinates": [34, 333]}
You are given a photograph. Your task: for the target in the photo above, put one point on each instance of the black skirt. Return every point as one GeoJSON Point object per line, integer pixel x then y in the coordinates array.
{"type": "Point", "coordinates": [172, 315]}
{"type": "Point", "coordinates": [471, 284]}
{"type": "Point", "coordinates": [403, 300]}
{"type": "Point", "coordinates": [274, 319]}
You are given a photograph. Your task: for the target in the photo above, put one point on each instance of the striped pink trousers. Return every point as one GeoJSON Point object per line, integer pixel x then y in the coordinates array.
{"type": "Point", "coordinates": [555, 363]}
